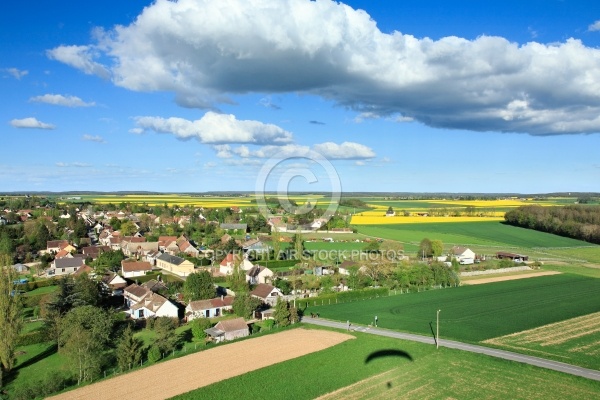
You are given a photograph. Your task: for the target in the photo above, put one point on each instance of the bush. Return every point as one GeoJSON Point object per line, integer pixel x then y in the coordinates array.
{"type": "Point", "coordinates": [34, 337]}
{"type": "Point", "coordinates": [42, 387]}
{"type": "Point", "coordinates": [154, 354]}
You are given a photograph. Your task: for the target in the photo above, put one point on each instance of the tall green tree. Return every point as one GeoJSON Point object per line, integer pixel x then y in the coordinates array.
{"type": "Point", "coordinates": [244, 305]}
{"type": "Point", "coordinates": [10, 315]}
{"type": "Point", "coordinates": [199, 286]}
{"type": "Point", "coordinates": [298, 241]}
{"type": "Point", "coordinates": [129, 350]}
{"type": "Point", "coordinates": [276, 243]}
{"type": "Point", "coordinates": [166, 339]}
{"type": "Point", "coordinates": [281, 315]}
{"type": "Point", "coordinates": [86, 291]}
{"type": "Point", "coordinates": [437, 248]}
{"type": "Point", "coordinates": [424, 248]}
{"type": "Point", "coordinates": [84, 337]}
{"type": "Point", "coordinates": [42, 236]}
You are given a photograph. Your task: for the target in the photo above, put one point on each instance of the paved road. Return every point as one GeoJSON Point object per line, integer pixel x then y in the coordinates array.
{"type": "Point", "coordinates": [507, 355]}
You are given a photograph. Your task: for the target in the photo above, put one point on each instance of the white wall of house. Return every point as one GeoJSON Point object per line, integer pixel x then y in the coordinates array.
{"type": "Point", "coordinates": [168, 309]}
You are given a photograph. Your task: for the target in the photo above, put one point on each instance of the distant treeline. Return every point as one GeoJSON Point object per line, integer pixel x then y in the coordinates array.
{"type": "Point", "coordinates": [353, 203]}
{"type": "Point", "coordinates": [576, 221]}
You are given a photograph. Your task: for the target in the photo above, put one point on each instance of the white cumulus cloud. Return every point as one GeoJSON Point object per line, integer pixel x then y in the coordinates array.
{"type": "Point", "coordinates": [60, 100]}
{"type": "Point", "coordinates": [214, 128]}
{"type": "Point", "coordinates": [30, 122]}
{"type": "Point", "coordinates": [345, 151]}
{"type": "Point", "coordinates": [594, 27]}
{"type": "Point", "coordinates": [205, 51]}
{"type": "Point", "coordinates": [80, 57]}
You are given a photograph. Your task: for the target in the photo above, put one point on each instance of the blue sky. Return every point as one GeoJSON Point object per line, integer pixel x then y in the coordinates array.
{"type": "Point", "coordinates": [194, 96]}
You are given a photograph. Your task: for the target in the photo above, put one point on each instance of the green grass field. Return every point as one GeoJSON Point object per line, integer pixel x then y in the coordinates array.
{"type": "Point", "coordinates": [444, 373]}
{"type": "Point", "coordinates": [479, 312]}
{"type": "Point", "coordinates": [471, 233]}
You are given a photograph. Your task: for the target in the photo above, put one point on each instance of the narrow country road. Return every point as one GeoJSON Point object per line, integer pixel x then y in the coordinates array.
{"type": "Point", "coordinates": [507, 355]}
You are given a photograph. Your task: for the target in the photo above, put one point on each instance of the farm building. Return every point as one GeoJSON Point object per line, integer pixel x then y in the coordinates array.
{"type": "Point", "coordinates": [229, 330]}
{"type": "Point", "coordinates": [511, 256]}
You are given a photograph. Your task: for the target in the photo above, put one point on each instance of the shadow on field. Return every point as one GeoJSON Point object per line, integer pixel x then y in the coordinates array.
{"type": "Point", "coordinates": [388, 353]}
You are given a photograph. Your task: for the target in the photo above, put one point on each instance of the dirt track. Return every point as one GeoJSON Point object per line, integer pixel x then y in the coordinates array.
{"type": "Point", "coordinates": [170, 378]}
{"type": "Point", "coordinates": [508, 277]}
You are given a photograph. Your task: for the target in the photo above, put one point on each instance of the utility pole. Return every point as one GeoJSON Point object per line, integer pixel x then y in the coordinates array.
{"type": "Point", "coordinates": [437, 327]}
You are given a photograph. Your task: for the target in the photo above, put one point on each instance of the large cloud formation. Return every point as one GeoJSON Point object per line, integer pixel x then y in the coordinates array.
{"type": "Point", "coordinates": [203, 50]}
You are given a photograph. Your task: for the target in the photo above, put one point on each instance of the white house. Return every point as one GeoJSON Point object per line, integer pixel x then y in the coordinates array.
{"type": "Point", "coordinates": [153, 305]}
{"type": "Point", "coordinates": [258, 274]}
{"type": "Point", "coordinates": [208, 308]}
{"type": "Point", "coordinates": [131, 268]}
{"type": "Point", "coordinates": [267, 293]}
{"type": "Point", "coordinates": [64, 266]}
{"type": "Point", "coordinates": [461, 253]}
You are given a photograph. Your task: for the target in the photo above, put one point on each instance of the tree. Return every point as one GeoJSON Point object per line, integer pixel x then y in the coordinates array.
{"type": "Point", "coordinates": [437, 248]}
{"type": "Point", "coordinates": [10, 315]}
{"type": "Point", "coordinates": [42, 236]}
{"type": "Point", "coordinates": [276, 243]}
{"type": "Point", "coordinates": [244, 305]}
{"type": "Point", "coordinates": [84, 337]}
{"type": "Point", "coordinates": [237, 279]}
{"type": "Point", "coordinates": [108, 261]}
{"type": "Point", "coordinates": [425, 248]}
{"type": "Point", "coordinates": [281, 315]}
{"type": "Point", "coordinates": [128, 228]}
{"type": "Point", "coordinates": [372, 247]}
{"type": "Point", "coordinates": [129, 350]}
{"type": "Point", "coordinates": [86, 291]}
{"type": "Point", "coordinates": [199, 286]}
{"type": "Point", "coordinates": [298, 245]}
{"type": "Point", "coordinates": [198, 327]}
{"type": "Point", "coordinates": [166, 339]}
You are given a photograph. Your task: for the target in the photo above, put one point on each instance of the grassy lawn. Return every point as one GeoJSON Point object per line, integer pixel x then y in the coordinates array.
{"type": "Point", "coordinates": [479, 312]}
{"type": "Point", "coordinates": [32, 326]}
{"type": "Point", "coordinates": [35, 361]}
{"type": "Point", "coordinates": [418, 372]}
{"type": "Point", "coordinates": [42, 290]}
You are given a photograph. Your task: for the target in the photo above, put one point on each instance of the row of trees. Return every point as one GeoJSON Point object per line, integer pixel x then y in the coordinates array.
{"type": "Point", "coordinates": [575, 221]}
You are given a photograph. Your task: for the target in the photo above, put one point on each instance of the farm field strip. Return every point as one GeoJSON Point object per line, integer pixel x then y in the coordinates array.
{"type": "Point", "coordinates": [369, 367]}
{"type": "Point", "coordinates": [483, 279]}
{"type": "Point", "coordinates": [478, 312]}
{"type": "Point", "coordinates": [572, 339]}
{"type": "Point", "coordinates": [486, 234]}
{"type": "Point", "coordinates": [380, 219]}
{"type": "Point", "coordinates": [210, 366]}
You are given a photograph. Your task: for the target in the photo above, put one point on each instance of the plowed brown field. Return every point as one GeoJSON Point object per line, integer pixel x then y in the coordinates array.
{"type": "Point", "coordinates": [508, 277]}
{"type": "Point", "coordinates": [170, 378]}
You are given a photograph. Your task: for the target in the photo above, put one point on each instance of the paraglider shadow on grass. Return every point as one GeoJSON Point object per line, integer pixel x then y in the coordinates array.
{"type": "Point", "coordinates": [388, 353]}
